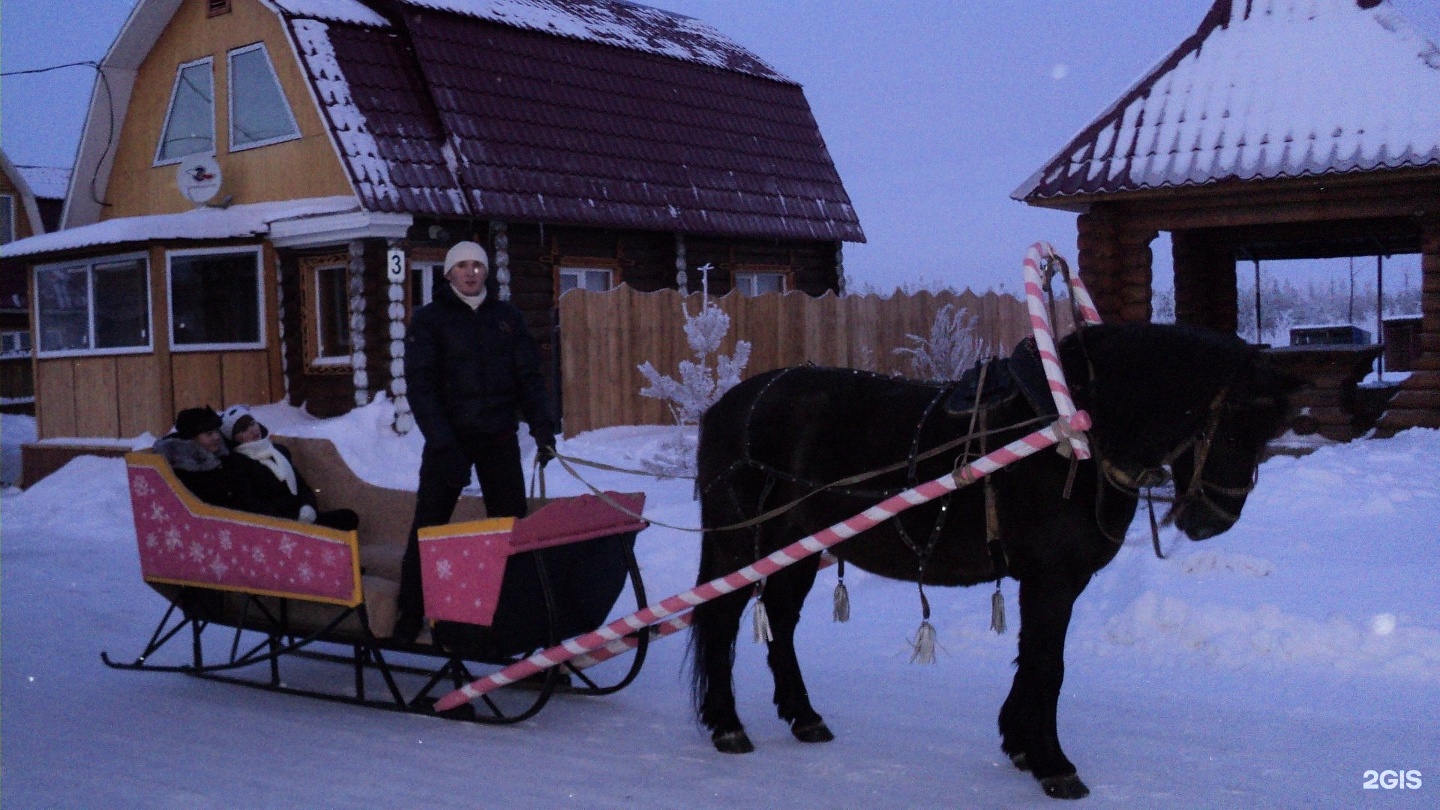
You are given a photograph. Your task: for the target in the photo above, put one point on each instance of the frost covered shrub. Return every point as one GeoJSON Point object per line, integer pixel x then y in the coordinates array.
{"type": "Point", "coordinates": [700, 384]}
{"type": "Point", "coordinates": [949, 350]}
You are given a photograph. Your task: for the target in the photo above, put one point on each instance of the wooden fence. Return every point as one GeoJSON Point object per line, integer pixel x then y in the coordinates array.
{"type": "Point", "coordinates": [606, 336]}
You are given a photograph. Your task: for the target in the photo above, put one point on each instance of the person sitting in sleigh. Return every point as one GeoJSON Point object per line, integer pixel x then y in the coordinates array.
{"type": "Point", "coordinates": [271, 482]}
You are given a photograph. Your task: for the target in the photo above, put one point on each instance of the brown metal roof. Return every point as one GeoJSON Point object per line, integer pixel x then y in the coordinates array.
{"type": "Point", "coordinates": [566, 129]}
{"type": "Point", "coordinates": [1264, 89]}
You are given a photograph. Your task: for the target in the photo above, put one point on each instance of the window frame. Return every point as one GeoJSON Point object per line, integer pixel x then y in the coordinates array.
{"type": "Point", "coordinates": [230, 99]}
{"type": "Point", "coordinates": [753, 271]}
{"type": "Point", "coordinates": [311, 323]}
{"type": "Point", "coordinates": [426, 273]}
{"type": "Point", "coordinates": [9, 235]}
{"type": "Point", "coordinates": [160, 160]}
{"type": "Point", "coordinates": [258, 251]}
{"type": "Point", "coordinates": [610, 267]}
{"type": "Point", "coordinates": [89, 266]}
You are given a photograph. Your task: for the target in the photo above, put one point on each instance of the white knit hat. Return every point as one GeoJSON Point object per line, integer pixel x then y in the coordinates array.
{"type": "Point", "coordinates": [229, 417]}
{"type": "Point", "coordinates": [466, 251]}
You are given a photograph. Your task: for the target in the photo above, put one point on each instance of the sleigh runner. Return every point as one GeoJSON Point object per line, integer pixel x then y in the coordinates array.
{"type": "Point", "coordinates": [248, 595]}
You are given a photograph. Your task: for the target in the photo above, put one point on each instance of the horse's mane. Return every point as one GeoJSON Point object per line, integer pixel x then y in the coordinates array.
{"type": "Point", "coordinates": [1148, 386]}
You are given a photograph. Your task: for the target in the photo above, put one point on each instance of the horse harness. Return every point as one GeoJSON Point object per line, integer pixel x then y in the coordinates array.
{"type": "Point", "coordinates": [1143, 483]}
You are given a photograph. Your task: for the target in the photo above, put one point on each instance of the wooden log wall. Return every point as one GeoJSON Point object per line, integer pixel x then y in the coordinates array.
{"type": "Point", "coordinates": [1418, 402]}
{"type": "Point", "coordinates": [605, 337]}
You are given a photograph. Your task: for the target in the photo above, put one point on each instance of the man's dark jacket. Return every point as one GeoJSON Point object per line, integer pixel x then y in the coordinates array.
{"type": "Point", "coordinates": [468, 370]}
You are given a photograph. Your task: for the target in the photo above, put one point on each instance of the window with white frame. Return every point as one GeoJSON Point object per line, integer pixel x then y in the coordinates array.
{"type": "Point", "coordinates": [190, 120]}
{"type": "Point", "coordinates": [7, 219]}
{"type": "Point", "coordinates": [423, 278]}
{"type": "Point", "coordinates": [595, 279]}
{"type": "Point", "coordinates": [328, 311]}
{"type": "Point", "coordinates": [215, 299]}
{"type": "Point", "coordinates": [98, 305]}
{"type": "Point", "coordinates": [259, 113]}
{"type": "Point", "coordinates": [759, 283]}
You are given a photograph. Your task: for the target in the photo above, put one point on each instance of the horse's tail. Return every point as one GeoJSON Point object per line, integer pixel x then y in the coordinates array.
{"type": "Point", "coordinates": [707, 643]}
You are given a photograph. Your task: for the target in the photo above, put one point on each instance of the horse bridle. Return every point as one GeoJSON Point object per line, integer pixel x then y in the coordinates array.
{"type": "Point", "coordinates": [1144, 483]}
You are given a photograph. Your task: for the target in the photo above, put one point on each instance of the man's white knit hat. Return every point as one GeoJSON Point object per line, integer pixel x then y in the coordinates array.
{"type": "Point", "coordinates": [466, 251]}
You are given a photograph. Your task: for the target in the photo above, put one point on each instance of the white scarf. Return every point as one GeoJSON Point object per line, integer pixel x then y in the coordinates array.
{"type": "Point", "coordinates": [473, 301]}
{"type": "Point", "coordinates": [264, 452]}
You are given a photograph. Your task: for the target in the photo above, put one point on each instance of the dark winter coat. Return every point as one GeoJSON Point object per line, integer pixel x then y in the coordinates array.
{"type": "Point", "coordinates": [213, 478]}
{"type": "Point", "coordinates": [266, 493]}
{"type": "Point", "coordinates": [469, 371]}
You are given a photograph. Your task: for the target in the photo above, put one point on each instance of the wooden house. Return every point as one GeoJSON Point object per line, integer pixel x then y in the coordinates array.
{"type": "Point", "coordinates": [23, 213]}
{"type": "Point", "coordinates": [1278, 130]}
{"type": "Point", "coordinates": [286, 176]}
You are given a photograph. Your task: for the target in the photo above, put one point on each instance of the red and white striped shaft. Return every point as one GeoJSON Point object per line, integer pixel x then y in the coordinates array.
{"type": "Point", "coordinates": [1045, 341]}
{"type": "Point", "coordinates": [1088, 313]}
{"type": "Point", "coordinates": [791, 554]}
{"type": "Point", "coordinates": [628, 643]}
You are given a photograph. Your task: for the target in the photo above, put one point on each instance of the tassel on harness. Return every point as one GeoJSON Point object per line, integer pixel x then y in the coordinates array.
{"type": "Point", "coordinates": [762, 622]}
{"type": "Point", "coordinates": [924, 652]}
{"type": "Point", "coordinates": [997, 610]}
{"type": "Point", "coordinates": [841, 609]}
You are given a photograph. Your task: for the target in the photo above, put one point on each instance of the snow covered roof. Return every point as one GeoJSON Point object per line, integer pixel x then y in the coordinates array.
{"type": "Point", "coordinates": [1264, 89]}
{"type": "Point", "coordinates": [48, 182]}
{"type": "Point", "coordinates": [586, 112]}
{"type": "Point", "coordinates": [540, 111]}
{"type": "Point", "coordinates": [235, 222]}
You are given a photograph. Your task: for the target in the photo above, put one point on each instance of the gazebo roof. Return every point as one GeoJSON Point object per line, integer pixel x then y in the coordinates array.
{"type": "Point", "coordinates": [1264, 89]}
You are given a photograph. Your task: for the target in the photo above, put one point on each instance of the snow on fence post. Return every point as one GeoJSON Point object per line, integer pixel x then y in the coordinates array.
{"type": "Point", "coordinates": [356, 287]}
{"type": "Point", "coordinates": [280, 320]}
{"type": "Point", "coordinates": [500, 233]}
{"type": "Point", "coordinates": [403, 421]}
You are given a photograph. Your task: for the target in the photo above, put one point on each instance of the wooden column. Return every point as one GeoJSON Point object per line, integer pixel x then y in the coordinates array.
{"type": "Point", "coordinates": [1116, 264]}
{"type": "Point", "coordinates": [1205, 286]}
{"type": "Point", "coordinates": [1100, 263]}
{"type": "Point", "coordinates": [1418, 402]}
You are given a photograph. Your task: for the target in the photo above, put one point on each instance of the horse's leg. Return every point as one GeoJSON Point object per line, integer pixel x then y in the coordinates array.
{"type": "Point", "coordinates": [713, 630]}
{"type": "Point", "coordinates": [784, 595]}
{"type": "Point", "coordinates": [1027, 720]}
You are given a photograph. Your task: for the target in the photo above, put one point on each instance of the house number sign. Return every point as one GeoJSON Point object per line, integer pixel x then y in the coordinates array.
{"type": "Point", "coordinates": [395, 265]}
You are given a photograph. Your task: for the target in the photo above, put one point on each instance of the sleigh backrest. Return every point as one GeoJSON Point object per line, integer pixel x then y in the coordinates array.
{"type": "Point", "coordinates": [463, 564]}
{"type": "Point", "coordinates": [184, 541]}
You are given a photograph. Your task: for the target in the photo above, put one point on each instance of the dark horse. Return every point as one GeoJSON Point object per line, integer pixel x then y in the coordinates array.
{"type": "Point", "coordinates": [1197, 403]}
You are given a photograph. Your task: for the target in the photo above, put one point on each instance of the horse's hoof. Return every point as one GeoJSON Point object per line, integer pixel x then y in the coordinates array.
{"type": "Point", "coordinates": [1019, 761]}
{"type": "Point", "coordinates": [732, 742]}
{"type": "Point", "coordinates": [816, 732]}
{"type": "Point", "coordinates": [1068, 786]}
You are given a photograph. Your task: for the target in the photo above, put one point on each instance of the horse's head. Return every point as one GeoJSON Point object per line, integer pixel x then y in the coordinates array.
{"type": "Point", "coordinates": [1173, 401]}
{"type": "Point", "coordinates": [1216, 473]}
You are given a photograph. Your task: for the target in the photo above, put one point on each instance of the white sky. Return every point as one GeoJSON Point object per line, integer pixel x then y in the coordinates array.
{"type": "Point", "coordinates": [933, 111]}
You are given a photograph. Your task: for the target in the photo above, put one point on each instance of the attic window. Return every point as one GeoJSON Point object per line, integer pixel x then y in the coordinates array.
{"type": "Point", "coordinates": [7, 219]}
{"type": "Point", "coordinates": [754, 281]}
{"type": "Point", "coordinates": [190, 122]}
{"type": "Point", "coordinates": [259, 113]}
{"type": "Point", "coordinates": [215, 8]}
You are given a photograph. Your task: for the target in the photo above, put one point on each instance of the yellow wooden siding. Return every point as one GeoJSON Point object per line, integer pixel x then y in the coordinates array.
{"type": "Point", "coordinates": [198, 379]}
{"type": "Point", "coordinates": [305, 167]}
{"type": "Point", "coordinates": [141, 396]}
{"type": "Point", "coordinates": [55, 398]}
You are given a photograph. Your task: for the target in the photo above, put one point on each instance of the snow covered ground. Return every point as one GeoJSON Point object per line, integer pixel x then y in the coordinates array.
{"type": "Point", "coordinates": [1270, 667]}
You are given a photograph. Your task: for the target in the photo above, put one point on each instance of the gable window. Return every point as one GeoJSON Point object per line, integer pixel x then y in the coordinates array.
{"type": "Point", "coordinates": [759, 282]}
{"type": "Point", "coordinates": [215, 299]}
{"type": "Point", "coordinates": [101, 305]}
{"type": "Point", "coordinates": [259, 113]}
{"type": "Point", "coordinates": [578, 277]}
{"type": "Point", "coordinates": [190, 121]}
{"type": "Point", "coordinates": [325, 302]}
{"type": "Point", "coordinates": [7, 219]}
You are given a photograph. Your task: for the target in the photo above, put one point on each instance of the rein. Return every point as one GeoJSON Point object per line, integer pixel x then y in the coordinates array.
{"type": "Point", "coordinates": [1144, 483]}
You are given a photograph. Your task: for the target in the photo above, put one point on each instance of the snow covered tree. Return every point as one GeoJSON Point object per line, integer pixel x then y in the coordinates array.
{"type": "Point", "coordinates": [700, 383]}
{"type": "Point", "coordinates": [950, 349]}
